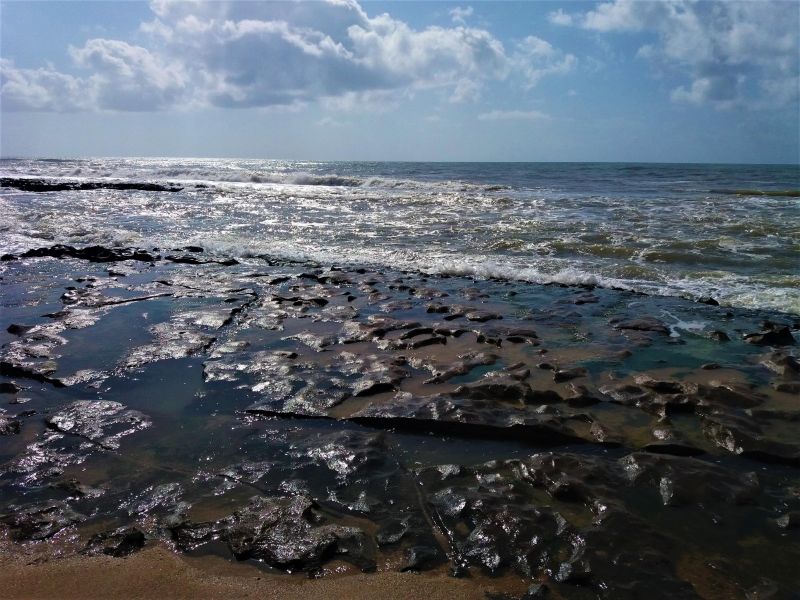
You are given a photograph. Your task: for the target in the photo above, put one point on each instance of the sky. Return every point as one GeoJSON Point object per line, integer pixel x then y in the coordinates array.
{"type": "Point", "coordinates": [665, 81]}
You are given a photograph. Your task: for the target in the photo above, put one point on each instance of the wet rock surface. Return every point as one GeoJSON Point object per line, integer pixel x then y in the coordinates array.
{"type": "Point", "coordinates": [567, 442]}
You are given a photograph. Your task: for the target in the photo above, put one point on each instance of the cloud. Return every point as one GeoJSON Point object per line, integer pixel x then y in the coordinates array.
{"type": "Point", "coordinates": [263, 54]}
{"type": "Point", "coordinates": [40, 89]}
{"type": "Point", "coordinates": [559, 17]}
{"type": "Point", "coordinates": [514, 115]}
{"type": "Point", "coordinates": [733, 53]}
{"type": "Point", "coordinates": [459, 14]}
{"type": "Point", "coordinates": [536, 58]}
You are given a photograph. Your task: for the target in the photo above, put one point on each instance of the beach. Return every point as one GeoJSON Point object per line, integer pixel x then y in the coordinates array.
{"type": "Point", "coordinates": [190, 411]}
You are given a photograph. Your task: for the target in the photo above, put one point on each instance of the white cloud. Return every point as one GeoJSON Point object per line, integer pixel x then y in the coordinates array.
{"type": "Point", "coordinates": [459, 14]}
{"type": "Point", "coordinates": [40, 89]}
{"type": "Point", "coordinates": [535, 58]}
{"type": "Point", "coordinates": [514, 115]}
{"type": "Point", "coordinates": [559, 17]}
{"type": "Point", "coordinates": [262, 54]}
{"type": "Point", "coordinates": [734, 53]}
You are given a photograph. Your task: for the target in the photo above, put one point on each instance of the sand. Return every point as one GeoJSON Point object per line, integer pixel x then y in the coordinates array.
{"type": "Point", "coordinates": [158, 573]}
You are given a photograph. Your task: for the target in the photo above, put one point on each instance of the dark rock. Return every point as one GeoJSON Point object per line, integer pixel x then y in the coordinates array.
{"type": "Point", "coordinates": [40, 521]}
{"type": "Point", "coordinates": [193, 260]}
{"type": "Point", "coordinates": [122, 542]}
{"type": "Point", "coordinates": [76, 489]}
{"type": "Point", "coordinates": [99, 254]}
{"type": "Point", "coordinates": [7, 257]}
{"type": "Point", "coordinates": [788, 387]}
{"type": "Point", "coordinates": [283, 533]}
{"type": "Point", "coordinates": [741, 436]}
{"type": "Point", "coordinates": [28, 371]}
{"type": "Point", "coordinates": [426, 341]}
{"type": "Point", "coordinates": [435, 307]}
{"type": "Point", "coordinates": [568, 374]}
{"type": "Point", "coordinates": [536, 591]}
{"type": "Point", "coordinates": [15, 329]}
{"type": "Point", "coordinates": [9, 387]}
{"type": "Point", "coordinates": [708, 300]}
{"type": "Point", "coordinates": [392, 532]}
{"type": "Point", "coordinates": [481, 316]}
{"type": "Point", "coordinates": [641, 324]}
{"type": "Point", "coordinates": [782, 364]}
{"type": "Point", "coordinates": [719, 336]}
{"type": "Point", "coordinates": [8, 426]}
{"type": "Point", "coordinates": [710, 366]}
{"type": "Point", "coordinates": [497, 387]}
{"type": "Point", "coordinates": [43, 185]}
{"type": "Point", "coordinates": [419, 558]}
{"type": "Point", "coordinates": [687, 481]}
{"type": "Point", "coordinates": [771, 337]}
{"type": "Point", "coordinates": [789, 520]}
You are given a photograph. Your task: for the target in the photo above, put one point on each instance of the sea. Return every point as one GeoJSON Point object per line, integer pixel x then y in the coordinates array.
{"type": "Point", "coordinates": [727, 232]}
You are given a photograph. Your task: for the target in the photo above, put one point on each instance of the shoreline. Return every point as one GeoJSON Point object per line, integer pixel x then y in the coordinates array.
{"type": "Point", "coordinates": [158, 573]}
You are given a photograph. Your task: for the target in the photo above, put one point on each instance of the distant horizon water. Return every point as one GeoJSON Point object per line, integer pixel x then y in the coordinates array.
{"type": "Point", "coordinates": [691, 230]}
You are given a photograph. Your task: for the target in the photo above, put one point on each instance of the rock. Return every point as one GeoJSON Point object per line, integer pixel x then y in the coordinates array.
{"type": "Point", "coordinates": [43, 185]}
{"type": "Point", "coordinates": [99, 254]}
{"type": "Point", "coordinates": [122, 542]}
{"type": "Point", "coordinates": [495, 387]}
{"type": "Point", "coordinates": [646, 323]}
{"type": "Point", "coordinates": [78, 490]}
{"type": "Point", "coordinates": [781, 363]}
{"type": "Point", "coordinates": [425, 341]}
{"type": "Point", "coordinates": [8, 426]}
{"type": "Point", "coordinates": [419, 558]}
{"type": "Point", "coordinates": [173, 340]}
{"type": "Point", "coordinates": [392, 532]}
{"type": "Point", "coordinates": [719, 336]}
{"type": "Point", "coordinates": [9, 387]}
{"type": "Point", "coordinates": [789, 520]}
{"type": "Point", "coordinates": [772, 337]}
{"type": "Point", "coordinates": [562, 375]}
{"type": "Point", "coordinates": [683, 481]}
{"type": "Point", "coordinates": [193, 260]}
{"type": "Point", "coordinates": [741, 436]}
{"type": "Point", "coordinates": [15, 329]}
{"type": "Point", "coordinates": [536, 591]}
{"type": "Point", "coordinates": [464, 365]}
{"type": "Point", "coordinates": [788, 387]}
{"type": "Point", "coordinates": [283, 533]}
{"type": "Point", "coordinates": [101, 422]}
{"type": "Point", "coordinates": [40, 521]}
{"type": "Point", "coordinates": [708, 300]}
{"type": "Point", "coordinates": [481, 316]}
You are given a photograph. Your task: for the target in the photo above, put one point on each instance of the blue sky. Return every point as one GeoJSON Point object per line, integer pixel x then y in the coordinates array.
{"type": "Point", "coordinates": [671, 81]}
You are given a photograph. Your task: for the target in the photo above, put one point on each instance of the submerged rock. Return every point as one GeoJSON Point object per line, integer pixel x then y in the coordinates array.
{"type": "Point", "coordinates": [27, 184]}
{"type": "Point", "coordinates": [646, 323]}
{"type": "Point", "coordinates": [40, 521]}
{"type": "Point", "coordinates": [118, 543]}
{"type": "Point", "coordinates": [285, 533]}
{"type": "Point", "coordinates": [777, 336]}
{"type": "Point", "coordinates": [99, 254]}
{"type": "Point", "coordinates": [101, 422]}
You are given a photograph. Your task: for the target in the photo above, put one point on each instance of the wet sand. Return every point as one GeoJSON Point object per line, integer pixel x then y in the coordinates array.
{"type": "Point", "coordinates": [159, 574]}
